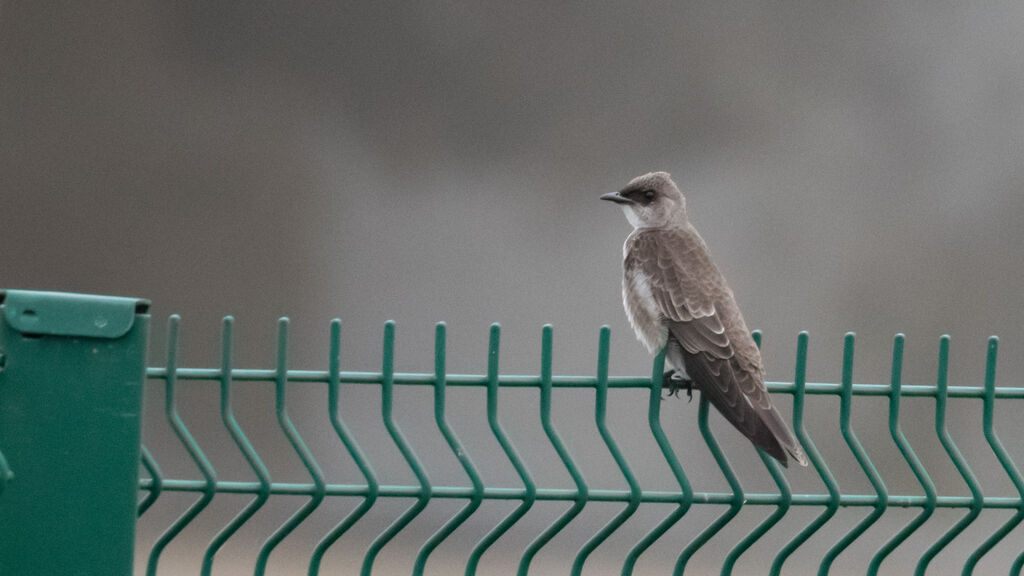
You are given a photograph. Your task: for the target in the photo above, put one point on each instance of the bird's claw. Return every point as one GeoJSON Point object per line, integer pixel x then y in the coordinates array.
{"type": "Point", "coordinates": [675, 382]}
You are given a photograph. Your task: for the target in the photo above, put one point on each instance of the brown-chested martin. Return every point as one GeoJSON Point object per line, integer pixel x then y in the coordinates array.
{"type": "Point", "coordinates": [676, 299]}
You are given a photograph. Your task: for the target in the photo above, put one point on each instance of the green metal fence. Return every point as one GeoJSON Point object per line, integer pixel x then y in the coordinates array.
{"type": "Point", "coordinates": [676, 504]}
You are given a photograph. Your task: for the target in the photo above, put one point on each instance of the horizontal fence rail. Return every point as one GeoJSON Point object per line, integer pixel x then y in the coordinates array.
{"type": "Point", "coordinates": [677, 503]}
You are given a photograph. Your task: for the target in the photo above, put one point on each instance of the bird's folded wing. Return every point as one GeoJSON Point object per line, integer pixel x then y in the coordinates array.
{"type": "Point", "coordinates": [685, 287]}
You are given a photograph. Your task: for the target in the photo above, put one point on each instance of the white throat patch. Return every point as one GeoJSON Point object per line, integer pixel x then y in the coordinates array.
{"type": "Point", "coordinates": [631, 215]}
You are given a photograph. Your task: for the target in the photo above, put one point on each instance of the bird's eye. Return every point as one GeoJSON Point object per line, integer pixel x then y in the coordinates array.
{"type": "Point", "coordinates": [649, 194]}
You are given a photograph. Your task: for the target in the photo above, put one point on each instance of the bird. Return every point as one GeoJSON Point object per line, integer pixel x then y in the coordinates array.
{"type": "Point", "coordinates": [676, 298]}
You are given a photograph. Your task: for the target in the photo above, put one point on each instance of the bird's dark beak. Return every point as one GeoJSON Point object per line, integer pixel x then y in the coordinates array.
{"type": "Point", "coordinates": [616, 197]}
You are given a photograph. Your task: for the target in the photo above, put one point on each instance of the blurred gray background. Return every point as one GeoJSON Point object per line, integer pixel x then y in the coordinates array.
{"type": "Point", "coordinates": [852, 165]}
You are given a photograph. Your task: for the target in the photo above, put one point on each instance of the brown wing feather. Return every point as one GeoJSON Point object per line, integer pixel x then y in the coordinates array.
{"type": "Point", "coordinates": [701, 315]}
{"type": "Point", "coordinates": [730, 402]}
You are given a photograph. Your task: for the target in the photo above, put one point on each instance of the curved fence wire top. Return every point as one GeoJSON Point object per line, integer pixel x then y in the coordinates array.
{"type": "Point", "coordinates": [527, 493]}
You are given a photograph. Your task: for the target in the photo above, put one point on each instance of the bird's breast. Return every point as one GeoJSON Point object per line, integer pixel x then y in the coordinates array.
{"type": "Point", "coordinates": [643, 311]}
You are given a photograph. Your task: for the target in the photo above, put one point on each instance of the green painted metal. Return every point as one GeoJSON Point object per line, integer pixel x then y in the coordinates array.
{"type": "Point", "coordinates": [735, 501]}
{"type": "Point", "coordinates": [600, 417]}
{"type": "Point", "coordinates": [242, 442]}
{"type": "Point", "coordinates": [440, 362]}
{"type": "Point", "coordinates": [74, 315]}
{"type": "Point", "coordinates": [812, 453]}
{"type": "Point", "coordinates": [785, 496]}
{"type": "Point", "coordinates": [846, 401]}
{"type": "Point", "coordinates": [209, 483]}
{"type": "Point", "coordinates": [423, 492]}
{"type": "Point", "coordinates": [346, 437]}
{"type": "Point", "coordinates": [681, 501]}
{"type": "Point", "coordinates": [896, 431]}
{"type": "Point", "coordinates": [5, 473]}
{"type": "Point", "coordinates": [530, 488]}
{"type": "Point", "coordinates": [685, 489]}
{"type": "Point", "coordinates": [30, 353]}
{"type": "Point", "coordinates": [285, 423]}
{"type": "Point", "coordinates": [157, 478]}
{"type": "Point", "coordinates": [71, 384]}
{"type": "Point", "coordinates": [988, 424]}
{"type": "Point", "coordinates": [958, 461]}
{"type": "Point", "coordinates": [582, 490]}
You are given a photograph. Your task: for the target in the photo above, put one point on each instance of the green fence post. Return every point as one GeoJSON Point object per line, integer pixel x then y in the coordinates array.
{"type": "Point", "coordinates": [70, 413]}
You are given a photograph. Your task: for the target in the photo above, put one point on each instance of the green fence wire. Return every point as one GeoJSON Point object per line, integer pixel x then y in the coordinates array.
{"type": "Point", "coordinates": [677, 503]}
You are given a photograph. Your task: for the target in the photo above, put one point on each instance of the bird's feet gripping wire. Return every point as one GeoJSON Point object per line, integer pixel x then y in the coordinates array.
{"type": "Point", "coordinates": [675, 382]}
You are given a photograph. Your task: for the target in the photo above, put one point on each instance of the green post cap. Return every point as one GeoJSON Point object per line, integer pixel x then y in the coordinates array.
{"type": "Point", "coordinates": [66, 314]}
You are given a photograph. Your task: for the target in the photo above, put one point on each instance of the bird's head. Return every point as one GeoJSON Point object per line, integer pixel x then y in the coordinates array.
{"type": "Point", "coordinates": [651, 201]}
